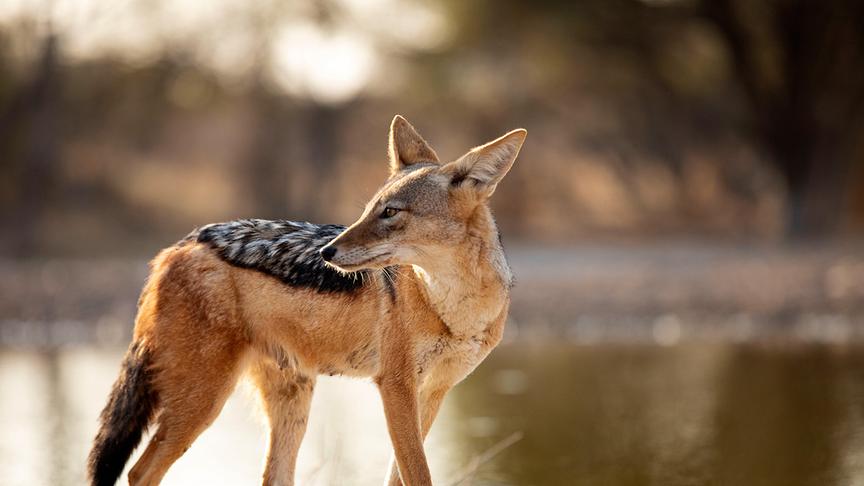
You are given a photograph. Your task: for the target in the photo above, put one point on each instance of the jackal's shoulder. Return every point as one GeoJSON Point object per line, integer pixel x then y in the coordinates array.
{"type": "Point", "coordinates": [287, 250]}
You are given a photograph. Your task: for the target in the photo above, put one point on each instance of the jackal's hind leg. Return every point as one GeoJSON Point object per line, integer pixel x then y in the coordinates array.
{"type": "Point", "coordinates": [286, 396]}
{"type": "Point", "coordinates": [191, 397]}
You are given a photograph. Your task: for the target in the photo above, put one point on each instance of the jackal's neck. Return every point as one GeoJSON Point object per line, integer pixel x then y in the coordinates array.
{"type": "Point", "coordinates": [467, 284]}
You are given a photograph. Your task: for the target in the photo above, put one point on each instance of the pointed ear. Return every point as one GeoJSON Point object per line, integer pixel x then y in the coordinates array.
{"type": "Point", "coordinates": [407, 147]}
{"type": "Point", "coordinates": [484, 166]}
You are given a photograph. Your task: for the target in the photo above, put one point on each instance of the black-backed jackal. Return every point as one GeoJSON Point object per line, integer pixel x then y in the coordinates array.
{"type": "Point", "coordinates": [414, 295]}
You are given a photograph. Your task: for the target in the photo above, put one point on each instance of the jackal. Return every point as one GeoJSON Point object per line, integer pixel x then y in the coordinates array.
{"type": "Point", "coordinates": [413, 295]}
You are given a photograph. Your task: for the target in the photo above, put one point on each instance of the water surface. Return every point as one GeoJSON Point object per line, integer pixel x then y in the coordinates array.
{"type": "Point", "coordinates": [588, 415]}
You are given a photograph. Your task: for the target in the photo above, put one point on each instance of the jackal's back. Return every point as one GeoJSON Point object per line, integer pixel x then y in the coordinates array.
{"type": "Point", "coordinates": [287, 250]}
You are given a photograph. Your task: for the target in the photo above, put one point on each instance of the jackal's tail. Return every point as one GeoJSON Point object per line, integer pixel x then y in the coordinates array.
{"type": "Point", "coordinates": [130, 408]}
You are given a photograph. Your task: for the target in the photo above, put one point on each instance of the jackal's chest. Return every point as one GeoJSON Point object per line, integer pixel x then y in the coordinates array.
{"type": "Point", "coordinates": [362, 360]}
{"type": "Point", "coordinates": [457, 354]}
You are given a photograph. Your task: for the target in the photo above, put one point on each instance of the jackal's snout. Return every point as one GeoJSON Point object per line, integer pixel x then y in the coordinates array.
{"type": "Point", "coordinates": [351, 251]}
{"type": "Point", "coordinates": [345, 256]}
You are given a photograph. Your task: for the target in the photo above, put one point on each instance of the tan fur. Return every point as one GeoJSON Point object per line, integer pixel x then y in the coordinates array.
{"type": "Point", "coordinates": [206, 321]}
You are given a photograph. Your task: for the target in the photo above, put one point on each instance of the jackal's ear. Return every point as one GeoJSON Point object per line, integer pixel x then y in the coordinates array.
{"type": "Point", "coordinates": [483, 167]}
{"type": "Point", "coordinates": [407, 147]}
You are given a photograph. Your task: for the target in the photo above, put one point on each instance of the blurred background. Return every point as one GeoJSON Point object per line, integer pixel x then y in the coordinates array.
{"type": "Point", "coordinates": [685, 221]}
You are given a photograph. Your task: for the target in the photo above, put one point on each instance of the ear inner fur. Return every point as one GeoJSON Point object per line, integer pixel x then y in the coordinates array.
{"type": "Point", "coordinates": [487, 164]}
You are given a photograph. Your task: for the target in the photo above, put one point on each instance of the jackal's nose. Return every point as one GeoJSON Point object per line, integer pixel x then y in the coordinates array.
{"type": "Point", "coordinates": [328, 252]}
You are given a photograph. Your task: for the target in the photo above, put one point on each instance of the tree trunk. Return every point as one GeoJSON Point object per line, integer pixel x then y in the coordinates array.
{"type": "Point", "coordinates": [31, 149]}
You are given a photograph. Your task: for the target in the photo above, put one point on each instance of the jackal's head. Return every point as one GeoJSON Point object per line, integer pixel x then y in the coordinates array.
{"type": "Point", "coordinates": [426, 207]}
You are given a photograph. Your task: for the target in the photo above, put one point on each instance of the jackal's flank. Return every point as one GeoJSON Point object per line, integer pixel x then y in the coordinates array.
{"type": "Point", "coordinates": [414, 295]}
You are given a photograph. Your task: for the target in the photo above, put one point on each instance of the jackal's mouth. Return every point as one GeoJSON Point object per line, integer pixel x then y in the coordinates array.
{"type": "Point", "coordinates": [369, 261]}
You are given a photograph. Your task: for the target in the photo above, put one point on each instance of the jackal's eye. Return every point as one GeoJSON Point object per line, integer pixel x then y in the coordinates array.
{"type": "Point", "coordinates": [389, 213]}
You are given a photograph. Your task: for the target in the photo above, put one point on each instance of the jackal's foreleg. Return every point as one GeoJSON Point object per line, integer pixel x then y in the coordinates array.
{"type": "Point", "coordinates": [286, 396]}
{"type": "Point", "coordinates": [400, 398]}
{"type": "Point", "coordinates": [430, 399]}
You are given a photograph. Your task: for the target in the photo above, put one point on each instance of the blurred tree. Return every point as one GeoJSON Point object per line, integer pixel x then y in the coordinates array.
{"type": "Point", "coordinates": [800, 64]}
{"type": "Point", "coordinates": [270, 157]}
{"type": "Point", "coordinates": [645, 114]}
{"type": "Point", "coordinates": [28, 146]}
{"type": "Point", "coordinates": [796, 68]}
